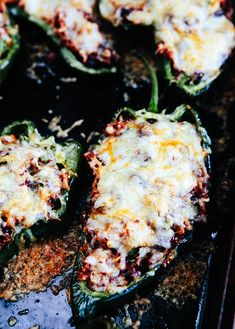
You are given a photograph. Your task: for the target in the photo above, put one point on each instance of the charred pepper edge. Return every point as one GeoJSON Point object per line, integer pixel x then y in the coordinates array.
{"type": "Point", "coordinates": [87, 303]}
{"type": "Point", "coordinates": [185, 82]}
{"type": "Point", "coordinates": [68, 56]}
{"type": "Point", "coordinates": [7, 61]}
{"type": "Point", "coordinates": [73, 151]}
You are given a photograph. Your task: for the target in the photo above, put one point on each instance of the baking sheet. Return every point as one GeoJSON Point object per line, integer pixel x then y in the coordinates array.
{"type": "Point", "coordinates": [42, 88]}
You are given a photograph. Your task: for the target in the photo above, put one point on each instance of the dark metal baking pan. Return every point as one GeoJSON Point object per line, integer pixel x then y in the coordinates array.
{"type": "Point", "coordinates": [42, 88]}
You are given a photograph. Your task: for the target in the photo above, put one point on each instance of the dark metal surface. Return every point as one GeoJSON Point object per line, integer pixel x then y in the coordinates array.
{"type": "Point", "coordinates": [41, 87]}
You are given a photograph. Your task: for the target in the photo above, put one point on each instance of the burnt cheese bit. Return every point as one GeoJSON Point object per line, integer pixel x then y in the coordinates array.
{"type": "Point", "coordinates": [55, 203]}
{"type": "Point", "coordinates": [150, 188]}
{"type": "Point", "coordinates": [6, 233]}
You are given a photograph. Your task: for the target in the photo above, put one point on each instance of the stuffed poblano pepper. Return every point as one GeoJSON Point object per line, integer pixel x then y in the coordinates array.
{"type": "Point", "coordinates": [9, 42]}
{"type": "Point", "coordinates": [151, 174]}
{"type": "Point", "coordinates": [36, 174]}
{"type": "Point", "coordinates": [71, 25]}
{"type": "Point", "coordinates": [193, 38]}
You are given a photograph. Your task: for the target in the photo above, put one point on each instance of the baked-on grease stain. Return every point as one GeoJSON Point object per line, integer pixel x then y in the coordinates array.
{"type": "Point", "coordinates": [23, 312]}
{"type": "Point", "coordinates": [12, 321]}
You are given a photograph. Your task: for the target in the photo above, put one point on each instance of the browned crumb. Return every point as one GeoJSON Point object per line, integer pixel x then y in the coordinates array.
{"type": "Point", "coordinates": [35, 267]}
{"type": "Point", "coordinates": [141, 306]}
{"type": "Point", "coordinates": [183, 282]}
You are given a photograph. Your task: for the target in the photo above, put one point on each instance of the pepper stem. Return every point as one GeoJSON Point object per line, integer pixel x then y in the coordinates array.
{"type": "Point", "coordinates": [153, 104]}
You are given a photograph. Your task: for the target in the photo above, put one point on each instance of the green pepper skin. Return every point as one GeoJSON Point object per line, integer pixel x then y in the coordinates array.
{"type": "Point", "coordinates": [183, 82]}
{"type": "Point", "coordinates": [66, 53]}
{"type": "Point", "coordinates": [8, 54]}
{"type": "Point", "coordinates": [73, 151]}
{"type": "Point", "coordinates": [87, 303]}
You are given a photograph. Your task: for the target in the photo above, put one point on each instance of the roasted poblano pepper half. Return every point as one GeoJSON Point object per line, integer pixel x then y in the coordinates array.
{"type": "Point", "coordinates": [9, 43]}
{"type": "Point", "coordinates": [71, 57]}
{"type": "Point", "coordinates": [36, 176]}
{"type": "Point", "coordinates": [193, 39]}
{"type": "Point", "coordinates": [150, 188]}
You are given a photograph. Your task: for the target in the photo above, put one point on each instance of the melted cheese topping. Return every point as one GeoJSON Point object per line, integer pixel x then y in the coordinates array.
{"type": "Point", "coordinates": [134, 11]}
{"type": "Point", "coordinates": [149, 187]}
{"type": "Point", "coordinates": [195, 35]}
{"type": "Point", "coordinates": [72, 21]}
{"type": "Point", "coordinates": [30, 182]}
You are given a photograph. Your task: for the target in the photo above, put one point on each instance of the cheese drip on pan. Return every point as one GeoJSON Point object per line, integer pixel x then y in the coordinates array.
{"type": "Point", "coordinates": [150, 187]}
{"type": "Point", "coordinates": [195, 35]}
{"type": "Point", "coordinates": [72, 20]}
{"type": "Point", "coordinates": [31, 182]}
